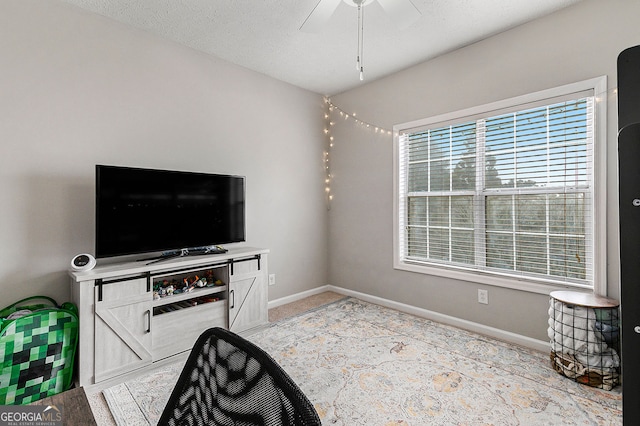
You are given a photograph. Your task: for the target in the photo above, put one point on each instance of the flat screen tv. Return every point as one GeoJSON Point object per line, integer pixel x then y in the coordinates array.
{"type": "Point", "coordinates": [146, 210]}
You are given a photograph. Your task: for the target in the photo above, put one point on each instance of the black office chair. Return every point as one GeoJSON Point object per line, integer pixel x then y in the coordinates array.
{"type": "Point", "coordinates": [228, 380]}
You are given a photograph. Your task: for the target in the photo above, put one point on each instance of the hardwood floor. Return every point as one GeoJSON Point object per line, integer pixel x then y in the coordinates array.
{"type": "Point", "coordinates": [303, 305]}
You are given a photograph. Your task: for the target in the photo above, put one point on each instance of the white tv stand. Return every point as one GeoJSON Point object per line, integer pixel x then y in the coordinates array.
{"type": "Point", "coordinates": [123, 329]}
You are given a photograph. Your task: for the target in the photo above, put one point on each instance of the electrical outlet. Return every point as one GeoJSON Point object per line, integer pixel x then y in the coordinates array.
{"type": "Point", "coordinates": [483, 296]}
{"type": "Point", "coordinates": [272, 279]}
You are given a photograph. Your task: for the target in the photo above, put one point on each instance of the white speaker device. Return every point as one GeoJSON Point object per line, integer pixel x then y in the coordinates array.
{"type": "Point", "coordinates": [83, 262]}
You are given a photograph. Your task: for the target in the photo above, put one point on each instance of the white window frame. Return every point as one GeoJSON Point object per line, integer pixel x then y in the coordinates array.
{"type": "Point", "coordinates": [597, 88]}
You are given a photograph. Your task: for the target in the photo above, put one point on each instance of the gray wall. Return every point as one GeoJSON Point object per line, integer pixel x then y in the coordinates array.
{"type": "Point", "coordinates": [77, 89]}
{"type": "Point", "coordinates": [574, 44]}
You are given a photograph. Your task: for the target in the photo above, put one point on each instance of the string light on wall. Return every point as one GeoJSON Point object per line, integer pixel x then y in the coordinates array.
{"type": "Point", "coordinates": [325, 160]}
{"type": "Point", "coordinates": [329, 123]}
{"type": "Point", "coordinates": [346, 116]}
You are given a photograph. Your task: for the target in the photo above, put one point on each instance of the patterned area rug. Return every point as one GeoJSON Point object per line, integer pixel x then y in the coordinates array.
{"type": "Point", "coordinates": [363, 364]}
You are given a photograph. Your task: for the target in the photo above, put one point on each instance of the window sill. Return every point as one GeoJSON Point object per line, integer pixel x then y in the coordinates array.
{"type": "Point", "coordinates": [489, 279]}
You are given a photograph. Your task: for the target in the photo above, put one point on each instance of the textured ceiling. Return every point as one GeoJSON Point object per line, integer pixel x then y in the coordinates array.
{"type": "Point", "coordinates": [264, 35]}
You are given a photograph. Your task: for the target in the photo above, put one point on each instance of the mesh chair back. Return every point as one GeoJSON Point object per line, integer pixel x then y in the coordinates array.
{"type": "Point", "coordinates": [228, 380]}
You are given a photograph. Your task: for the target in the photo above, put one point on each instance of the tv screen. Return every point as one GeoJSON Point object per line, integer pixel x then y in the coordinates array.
{"type": "Point", "coordinates": [146, 210]}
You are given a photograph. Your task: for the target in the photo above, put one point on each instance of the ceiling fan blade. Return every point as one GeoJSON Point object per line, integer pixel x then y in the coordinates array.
{"type": "Point", "coordinates": [320, 15]}
{"type": "Point", "coordinates": [402, 12]}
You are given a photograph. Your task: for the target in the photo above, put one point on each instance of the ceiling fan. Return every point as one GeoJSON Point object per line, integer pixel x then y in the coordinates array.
{"type": "Point", "coordinates": [402, 12]}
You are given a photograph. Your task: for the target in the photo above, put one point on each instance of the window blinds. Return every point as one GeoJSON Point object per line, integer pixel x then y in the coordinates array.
{"type": "Point", "coordinates": [510, 193]}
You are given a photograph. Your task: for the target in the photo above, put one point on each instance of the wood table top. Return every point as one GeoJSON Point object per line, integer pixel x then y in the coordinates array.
{"type": "Point", "coordinates": [74, 405]}
{"type": "Point", "coordinates": [589, 300]}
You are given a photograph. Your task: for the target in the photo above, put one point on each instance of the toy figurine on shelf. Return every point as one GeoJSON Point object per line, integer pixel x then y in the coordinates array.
{"type": "Point", "coordinates": [184, 284]}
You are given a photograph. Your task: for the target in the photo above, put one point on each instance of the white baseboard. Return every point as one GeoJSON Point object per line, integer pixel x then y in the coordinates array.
{"type": "Point", "coordinates": [496, 333]}
{"type": "Point", "coordinates": [299, 296]}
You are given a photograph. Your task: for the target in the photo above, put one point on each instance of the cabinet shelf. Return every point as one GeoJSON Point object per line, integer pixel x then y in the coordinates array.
{"type": "Point", "coordinates": [197, 299]}
{"type": "Point", "coordinates": [190, 305]}
{"type": "Point", "coordinates": [196, 293]}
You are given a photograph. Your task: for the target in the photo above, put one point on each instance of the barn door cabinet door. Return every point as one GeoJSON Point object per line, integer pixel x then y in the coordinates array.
{"type": "Point", "coordinates": [123, 320]}
{"type": "Point", "coordinates": [248, 294]}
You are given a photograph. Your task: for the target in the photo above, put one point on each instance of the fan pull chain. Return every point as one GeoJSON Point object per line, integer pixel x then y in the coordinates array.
{"type": "Point", "coordinates": [360, 56]}
{"type": "Point", "coordinates": [359, 35]}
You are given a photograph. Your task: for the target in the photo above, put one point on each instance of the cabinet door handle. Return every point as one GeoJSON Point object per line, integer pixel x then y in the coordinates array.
{"type": "Point", "coordinates": [233, 299]}
{"type": "Point", "coordinates": [148, 313]}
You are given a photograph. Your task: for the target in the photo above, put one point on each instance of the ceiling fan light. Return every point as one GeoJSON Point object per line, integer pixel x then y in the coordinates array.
{"type": "Point", "coordinates": [356, 3]}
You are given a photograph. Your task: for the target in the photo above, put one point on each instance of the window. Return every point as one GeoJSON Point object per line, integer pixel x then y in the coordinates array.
{"type": "Point", "coordinates": [505, 193]}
